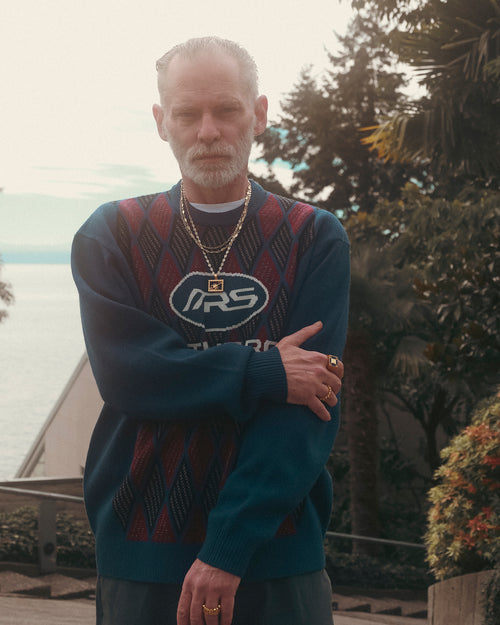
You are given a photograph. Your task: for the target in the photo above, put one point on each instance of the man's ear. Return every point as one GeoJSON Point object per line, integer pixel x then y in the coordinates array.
{"type": "Point", "coordinates": [158, 114]}
{"type": "Point", "coordinates": [260, 115]}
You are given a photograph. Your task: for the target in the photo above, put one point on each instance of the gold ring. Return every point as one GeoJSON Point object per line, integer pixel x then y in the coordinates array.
{"type": "Point", "coordinates": [211, 611]}
{"type": "Point", "coordinates": [332, 362]}
{"type": "Point", "coordinates": [328, 395]}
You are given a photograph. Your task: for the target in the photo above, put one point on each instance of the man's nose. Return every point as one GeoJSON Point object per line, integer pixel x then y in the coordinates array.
{"type": "Point", "coordinates": [209, 130]}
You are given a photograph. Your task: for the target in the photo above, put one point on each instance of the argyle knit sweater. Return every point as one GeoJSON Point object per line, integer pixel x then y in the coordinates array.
{"type": "Point", "coordinates": [197, 453]}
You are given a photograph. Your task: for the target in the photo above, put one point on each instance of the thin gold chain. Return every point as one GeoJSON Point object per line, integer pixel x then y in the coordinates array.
{"type": "Point", "coordinates": [207, 249]}
{"type": "Point", "coordinates": [193, 232]}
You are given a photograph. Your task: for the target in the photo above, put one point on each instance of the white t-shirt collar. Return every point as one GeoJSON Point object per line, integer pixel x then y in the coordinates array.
{"type": "Point", "coordinates": [218, 208]}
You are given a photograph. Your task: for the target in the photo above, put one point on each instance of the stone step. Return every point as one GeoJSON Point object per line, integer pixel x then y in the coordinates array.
{"type": "Point", "coordinates": [54, 586]}
{"type": "Point", "coordinates": [350, 604]}
{"type": "Point", "coordinates": [15, 583]}
{"type": "Point", "coordinates": [64, 587]}
{"type": "Point", "coordinates": [380, 605]}
{"type": "Point", "coordinates": [59, 586]}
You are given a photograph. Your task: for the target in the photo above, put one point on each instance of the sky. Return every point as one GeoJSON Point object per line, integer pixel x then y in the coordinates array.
{"type": "Point", "coordinates": [78, 81]}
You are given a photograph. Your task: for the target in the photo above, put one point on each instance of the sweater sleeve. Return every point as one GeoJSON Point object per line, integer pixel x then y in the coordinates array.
{"type": "Point", "coordinates": [285, 447]}
{"type": "Point", "coordinates": [144, 368]}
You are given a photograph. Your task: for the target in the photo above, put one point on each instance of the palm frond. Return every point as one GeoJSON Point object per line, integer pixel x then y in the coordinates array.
{"type": "Point", "coordinates": [409, 357]}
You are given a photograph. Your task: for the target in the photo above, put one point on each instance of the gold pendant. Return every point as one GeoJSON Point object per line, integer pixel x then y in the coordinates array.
{"type": "Point", "coordinates": [216, 285]}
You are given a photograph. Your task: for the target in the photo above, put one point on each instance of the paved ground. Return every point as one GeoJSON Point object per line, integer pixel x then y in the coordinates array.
{"type": "Point", "coordinates": [59, 599]}
{"type": "Point", "coordinates": [31, 611]}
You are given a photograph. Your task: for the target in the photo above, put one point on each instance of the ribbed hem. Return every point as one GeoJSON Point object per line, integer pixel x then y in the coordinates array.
{"type": "Point", "coordinates": [255, 559]}
{"type": "Point", "coordinates": [266, 377]}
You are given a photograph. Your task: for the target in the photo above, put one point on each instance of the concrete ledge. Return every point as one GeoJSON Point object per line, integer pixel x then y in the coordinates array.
{"type": "Point", "coordinates": [33, 570]}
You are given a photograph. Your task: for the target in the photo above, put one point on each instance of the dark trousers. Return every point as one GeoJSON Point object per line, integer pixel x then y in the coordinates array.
{"type": "Point", "coordinates": [299, 600]}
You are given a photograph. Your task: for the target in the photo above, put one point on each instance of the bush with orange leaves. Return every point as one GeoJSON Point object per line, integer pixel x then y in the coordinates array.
{"type": "Point", "coordinates": [463, 534]}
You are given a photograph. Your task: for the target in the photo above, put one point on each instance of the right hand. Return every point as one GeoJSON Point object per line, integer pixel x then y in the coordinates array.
{"type": "Point", "coordinates": [205, 584]}
{"type": "Point", "coordinates": [307, 375]}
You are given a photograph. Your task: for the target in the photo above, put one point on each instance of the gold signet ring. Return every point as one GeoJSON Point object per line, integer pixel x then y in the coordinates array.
{"type": "Point", "coordinates": [332, 363]}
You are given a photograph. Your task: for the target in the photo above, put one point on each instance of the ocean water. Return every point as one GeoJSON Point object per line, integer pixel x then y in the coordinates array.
{"type": "Point", "coordinates": [41, 343]}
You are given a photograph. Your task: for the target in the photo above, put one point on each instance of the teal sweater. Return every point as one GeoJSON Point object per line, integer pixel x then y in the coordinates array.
{"type": "Point", "coordinates": [196, 453]}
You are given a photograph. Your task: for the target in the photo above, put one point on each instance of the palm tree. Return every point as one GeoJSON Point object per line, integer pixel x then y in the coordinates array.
{"type": "Point", "coordinates": [455, 46]}
{"type": "Point", "coordinates": [382, 303]}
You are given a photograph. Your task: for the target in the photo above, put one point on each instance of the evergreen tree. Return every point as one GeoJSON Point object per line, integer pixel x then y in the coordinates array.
{"type": "Point", "coordinates": [319, 131]}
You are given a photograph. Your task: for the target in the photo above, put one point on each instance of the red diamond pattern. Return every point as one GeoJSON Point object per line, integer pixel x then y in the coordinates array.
{"type": "Point", "coordinates": [142, 273]}
{"type": "Point", "coordinates": [164, 532]}
{"type": "Point", "coordinates": [178, 469]}
{"type": "Point", "coordinates": [270, 216]}
{"type": "Point", "coordinates": [172, 452]}
{"type": "Point", "coordinates": [133, 213]}
{"type": "Point", "coordinates": [298, 215]}
{"type": "Point", "coordinates": [143, 453]}
{"type": "Point", "coordinates": [161, 215]}
{"type": "Point", "coordinates": [138, 529]}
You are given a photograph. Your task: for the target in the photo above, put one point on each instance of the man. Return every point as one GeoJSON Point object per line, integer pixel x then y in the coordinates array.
{"type": "Point", "coordinates": [209, 312]}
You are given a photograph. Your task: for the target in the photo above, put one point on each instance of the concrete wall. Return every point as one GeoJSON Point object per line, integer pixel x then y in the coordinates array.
{"type": "Point", "coordinates": [61, 446]}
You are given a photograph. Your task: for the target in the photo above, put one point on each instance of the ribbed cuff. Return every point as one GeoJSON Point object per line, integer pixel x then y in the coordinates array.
{"type": "Point", "coordinates": [266, 377]}
{"type": "Point", "coordinates": [230, 554]}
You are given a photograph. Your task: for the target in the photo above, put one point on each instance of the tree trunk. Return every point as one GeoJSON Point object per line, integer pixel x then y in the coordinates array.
{"type": "Point", "coordinates": [362, 439]}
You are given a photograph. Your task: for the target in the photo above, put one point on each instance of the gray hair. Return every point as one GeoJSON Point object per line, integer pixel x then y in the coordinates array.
{"type": "Point", "coordinates": [194, 47]}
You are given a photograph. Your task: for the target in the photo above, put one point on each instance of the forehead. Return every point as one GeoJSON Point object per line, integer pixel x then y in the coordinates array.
{"type": "Point", "coordinates": [210, 75]}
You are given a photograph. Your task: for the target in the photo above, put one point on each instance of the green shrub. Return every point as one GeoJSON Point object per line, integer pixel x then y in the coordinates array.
{"type": "Point", "coordinates": [19, 535]}
{"type": "Point", "coordinates": [368, 572]}
{"type": "Point", "coordinates": [19, 539]}
{"type": "Point", "coordinates": [464, 519]}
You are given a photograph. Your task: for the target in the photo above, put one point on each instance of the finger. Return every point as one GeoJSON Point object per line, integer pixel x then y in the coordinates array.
{"type": "Point", "coordinates": [326, 395]}
{"type": "Point", "coordinates": [183, 608]}
{"type": "Point", "coordinates": [227, 609]}
{"type": "Point", "coordinates": [319, 409]}
{"type": "Point", "coordinates": [212, 602]}
{"type": "Point", "coordinates": [211, 619]}
{"type": "Point", "coordinates": [304, 334]}
{"type": "Point", "coordinates": [333, 381]}
{"type": "Point", "coordinates": [196, 616]}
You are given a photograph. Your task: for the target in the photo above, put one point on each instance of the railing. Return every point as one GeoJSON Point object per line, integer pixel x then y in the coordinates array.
{"type": "Point", "coordinates": [371, 539]}
{"type": "Point", "coordinates": [47, 510]}
{"type": "Point", "coordinates": [37, 494]}
{"type": "Point", "coordinates": [47, 540]}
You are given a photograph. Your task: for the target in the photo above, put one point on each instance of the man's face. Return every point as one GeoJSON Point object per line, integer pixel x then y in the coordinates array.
{"type": "Point", "coordinates": [209, 118]}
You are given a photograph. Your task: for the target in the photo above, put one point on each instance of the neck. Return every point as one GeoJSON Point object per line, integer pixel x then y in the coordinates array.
{"type": "Point", "coordinates": [229, 193]}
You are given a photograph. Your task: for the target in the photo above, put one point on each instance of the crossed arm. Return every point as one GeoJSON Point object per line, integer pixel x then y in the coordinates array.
{"type": "Point", "coordinates": [308, 379]}
{"type": "Point", "coordinates": [136, 384]}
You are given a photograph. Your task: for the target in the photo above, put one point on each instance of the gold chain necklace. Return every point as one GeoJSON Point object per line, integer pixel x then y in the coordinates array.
{"type": "Point", "coordinates": [215, 284]}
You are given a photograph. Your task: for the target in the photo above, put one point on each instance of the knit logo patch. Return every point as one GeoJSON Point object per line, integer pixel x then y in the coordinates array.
{"type": "Point", "coordinates": [243, 297]}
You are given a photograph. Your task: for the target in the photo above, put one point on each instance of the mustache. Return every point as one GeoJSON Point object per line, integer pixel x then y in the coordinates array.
{"type": "Point", "coordinates": [206, 152]}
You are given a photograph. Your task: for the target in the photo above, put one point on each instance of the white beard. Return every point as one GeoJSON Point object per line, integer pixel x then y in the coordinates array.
{"type": "Point", "coordinates": [214, 175]}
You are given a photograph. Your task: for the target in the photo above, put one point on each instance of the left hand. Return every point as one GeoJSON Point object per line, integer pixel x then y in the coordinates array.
{"type": "Point", "coordinates": [309, 381]}
{"type": "Point", "coordinates": [207, 585]}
